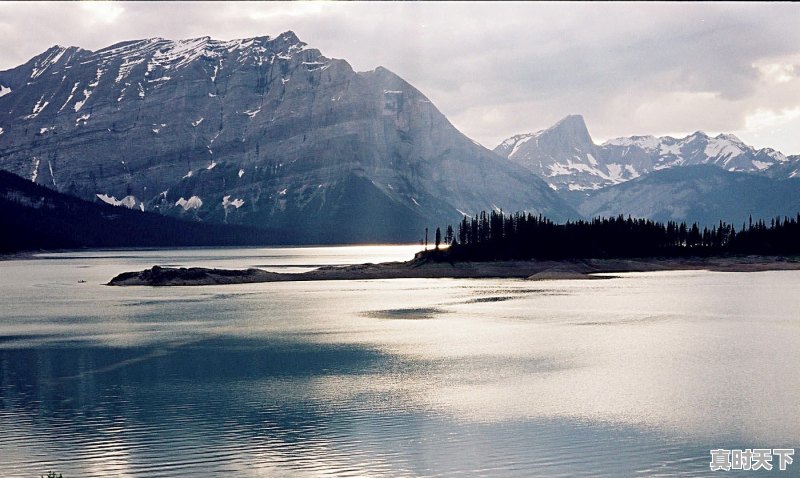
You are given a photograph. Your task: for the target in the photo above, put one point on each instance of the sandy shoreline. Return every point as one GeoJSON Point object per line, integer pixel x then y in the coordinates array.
{"type": "Point", "coordinates": [424, 269]}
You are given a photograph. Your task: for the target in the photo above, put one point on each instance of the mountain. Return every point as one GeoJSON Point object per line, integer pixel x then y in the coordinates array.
{"type": "Point", "coordinates": [264, 131]}
{"type": "Point", "coordinates": [702, 193]}
{"type": "Point", "coordinates": [35, 217]}
{"type": "Point", "coordinates": [566, 157]}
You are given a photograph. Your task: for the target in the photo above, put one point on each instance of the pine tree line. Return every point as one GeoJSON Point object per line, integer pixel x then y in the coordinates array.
{"type": "Point", "coordinates": [497, 236]}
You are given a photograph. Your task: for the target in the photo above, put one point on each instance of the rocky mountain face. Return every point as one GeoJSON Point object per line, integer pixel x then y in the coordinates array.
{"type": "Point", "coordinates": [566, 157]}
{"type": "Point", "coordinates": [701, 193]}
{"type": "Point", "coordinates": [261, 131]}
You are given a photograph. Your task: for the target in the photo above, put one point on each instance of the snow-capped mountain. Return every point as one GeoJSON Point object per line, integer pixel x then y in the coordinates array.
{"type": "Point", "coordinates": [699, 193]}
{"type": "Point", "coordinates": [261, 131]}
{"type": "Point", "coordinates": [565, 156]}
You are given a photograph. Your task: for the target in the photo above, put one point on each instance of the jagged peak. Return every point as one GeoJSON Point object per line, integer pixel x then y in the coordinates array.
{"type": "Point", "coordinates": [572, 126]}
{"type": "Point", "coordinates": [571, 119]}
{"type": "Point", "coordinates": [729, 137]}
{"type": "Point", "coordinates": [643, 141]}
{"type": "Point", "coordinates": [288, 36]}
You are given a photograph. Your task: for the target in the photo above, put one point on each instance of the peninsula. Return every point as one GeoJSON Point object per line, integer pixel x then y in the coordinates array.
{"type": "Point", "coordinates": [423, 267]}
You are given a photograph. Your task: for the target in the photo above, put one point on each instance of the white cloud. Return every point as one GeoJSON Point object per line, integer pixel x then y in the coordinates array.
{"type": "Point", "coordinates": [102, 11]}
{"type": "Point", "coordinates": [769, 119]}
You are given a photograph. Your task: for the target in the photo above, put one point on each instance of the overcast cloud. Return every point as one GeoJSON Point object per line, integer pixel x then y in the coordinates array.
{"type": "Point", "coordinates": [497, 69]}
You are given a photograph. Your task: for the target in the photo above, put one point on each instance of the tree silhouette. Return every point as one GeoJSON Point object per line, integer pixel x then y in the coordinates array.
{"type": "Point", "coordinates": [497, 236]}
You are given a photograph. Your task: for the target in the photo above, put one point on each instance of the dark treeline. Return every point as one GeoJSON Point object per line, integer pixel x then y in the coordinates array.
{"type": "Point", "coordinates": [497, 236]}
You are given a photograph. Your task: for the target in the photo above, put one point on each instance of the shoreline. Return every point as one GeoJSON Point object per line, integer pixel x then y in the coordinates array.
{"type": "Point", "coordinates": [422, 268]}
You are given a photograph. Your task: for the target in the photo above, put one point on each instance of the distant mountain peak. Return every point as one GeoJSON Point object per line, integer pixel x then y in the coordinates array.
{"type": "Point", "coordinates": [572, 125]}
{"type": "Point", "coordinates": [570, 120]}
{"type": "Point", "coordinates": [565, 156]}
{"type": "Point", "coordinates": [729, 137]}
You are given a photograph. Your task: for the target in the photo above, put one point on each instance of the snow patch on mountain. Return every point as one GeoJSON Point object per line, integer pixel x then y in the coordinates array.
{"type": "Point", "coordinates": [566, 157]}
{"type": "Point", "coordinates": [193, 202]}
{"type": "Point", "coordinates": [237, 203]}
{"type": "Point", "coordinates": [79, 104]}
{"type": "Point", "coordinates": [128, 201]}
{"type": "Point", "coordinates": [4, 90]}
{"type": "Point", "coordinates": [38, 108]}
{"type": "Point", "coordinates": [52, 58]}
{"type": "Point", "coordinates": [35, 173]}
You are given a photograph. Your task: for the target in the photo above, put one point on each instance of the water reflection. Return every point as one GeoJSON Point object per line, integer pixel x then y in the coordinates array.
{"type": "Point", "coordinates": [637, 375]}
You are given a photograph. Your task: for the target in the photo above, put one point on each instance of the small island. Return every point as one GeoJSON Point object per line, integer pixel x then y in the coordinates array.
{"type": "Point", "coordinates": [424, 268]}
{"type": "Point", "coordinates": [523, 246]}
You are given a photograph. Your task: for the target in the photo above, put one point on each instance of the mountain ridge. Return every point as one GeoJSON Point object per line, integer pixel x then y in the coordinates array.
{"type": "Point", "coordinates": [580, 164]}
{"type": "Point", "coordinates": [703, 193]}
{"type": "Point", "coordinates": [262, 131]}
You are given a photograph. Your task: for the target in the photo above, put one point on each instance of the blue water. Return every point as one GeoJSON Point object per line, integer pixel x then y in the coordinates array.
{"type": "Point", "coordinates": [635, 376]}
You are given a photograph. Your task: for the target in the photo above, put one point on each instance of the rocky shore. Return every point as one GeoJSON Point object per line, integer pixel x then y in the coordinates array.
{"type": "Point", "coordinates": [422, 268]}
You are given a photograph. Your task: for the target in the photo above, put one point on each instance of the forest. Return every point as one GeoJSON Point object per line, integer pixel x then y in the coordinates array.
{"type": "Point", "coordinates": [520, 236]}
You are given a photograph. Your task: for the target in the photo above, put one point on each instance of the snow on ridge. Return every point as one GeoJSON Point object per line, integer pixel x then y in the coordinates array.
{"type": "Point", "coordinates": [4, 90]}
{"type": "Point", "coordinates": [647, 142]}
{"type": "Point", "coordinates": [512, 140]}
{"type": "Point", "coordinates": [97, 77]}
{"type": "Point", "coordinates": [130, 49]}
{"type": "Point", "coordinates": [716, 148]}
{"type": "Point", "coordinates": [38, 107]}
{"type": "Point", "coordinates": [125, 68]}
{"type": "Point", "coordinates": [519, 143]}
{"type": "Point", "coordinates": [729, 137]}
{"type": "Point", "coordinates": [670, 149]}
{"type": "Point", "coordinates": [252, 113]}
{"type": "Point", "coordinates": [241, 173]}
{"type": "Point", "coordinates": [193, 202]}
{"type": "Point", "coordinates": [71, 94]}
{"type": "Point", "coordinates": [35, 173]}
{"type": "Point", "coordinates": [761, 165]}
{"type": "Point", "coordinates": [128, 201]}
{"type": "Point", "coordinates": [52, 58]}
{"type": "Point", "coordinates": [2, 131]}
{"type": "Point", "coordinates": [615, 173]}
{"type": "Point", "coordinates": [79, 104]}
{"type": "Point", "coordinates": [237, 203]}
{"type": "Point", "coordinates": [176, 54]}
{"type": "Point", "coordinates": [197, 122]}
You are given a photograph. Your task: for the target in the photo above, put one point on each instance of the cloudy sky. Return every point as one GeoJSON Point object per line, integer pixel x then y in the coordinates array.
{"type": "Point", "coordinates": [497, 69]}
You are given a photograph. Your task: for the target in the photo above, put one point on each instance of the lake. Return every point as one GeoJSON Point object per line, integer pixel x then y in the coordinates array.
{"type": "Point", "coordinates": [639, 375]}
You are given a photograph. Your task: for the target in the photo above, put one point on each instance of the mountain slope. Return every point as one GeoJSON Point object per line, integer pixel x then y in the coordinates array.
{"type": "Point", "coordinates": [565, 156]}
{"type": "Point", "coordinates": [702, 193]}
{"type": "Point", "coordinates": [262, 131]}
{"type": "Point", "coordinates": [34, 217]}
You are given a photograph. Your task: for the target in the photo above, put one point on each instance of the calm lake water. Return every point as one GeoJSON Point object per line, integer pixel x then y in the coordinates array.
{"type": "Point", "coordinates": [634, 376]}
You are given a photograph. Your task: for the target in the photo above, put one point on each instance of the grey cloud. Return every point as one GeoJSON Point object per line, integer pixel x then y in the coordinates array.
{"type": "Point", "coordinates": [494, 68]}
